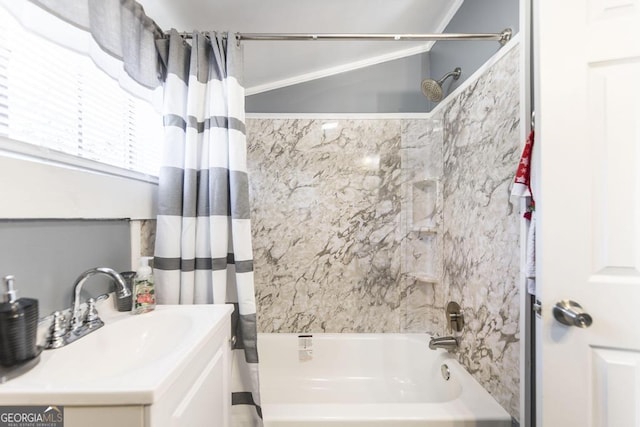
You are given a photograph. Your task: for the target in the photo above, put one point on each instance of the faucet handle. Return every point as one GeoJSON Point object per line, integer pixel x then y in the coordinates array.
{"type": "Point", "coordinates": [455, 317]}
{"type": "Point", "coordinates": [76, 320]}
{"type": "Point", "coordinates": [57, 331]}
{"type": "Point", "coordinates": [92, 313]}
{"type": "Point", "coordinates": [92, 320]}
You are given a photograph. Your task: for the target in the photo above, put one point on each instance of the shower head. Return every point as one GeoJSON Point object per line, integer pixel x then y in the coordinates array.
{"type": "Point", "coordinates": [432, 89]}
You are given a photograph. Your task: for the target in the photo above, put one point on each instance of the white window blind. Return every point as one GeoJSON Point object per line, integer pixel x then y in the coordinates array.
{"type": "Point", "coordinates": [57, 99]}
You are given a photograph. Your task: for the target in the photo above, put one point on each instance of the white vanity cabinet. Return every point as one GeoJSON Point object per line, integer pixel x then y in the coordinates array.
{"type": "Point", "coordinates": [168, 368]}
{"type": "Point", "coordinates": [201, 396]}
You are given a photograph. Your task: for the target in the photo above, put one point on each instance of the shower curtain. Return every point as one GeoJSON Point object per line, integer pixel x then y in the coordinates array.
{"type": "Point", "coordinates": [203, 252]}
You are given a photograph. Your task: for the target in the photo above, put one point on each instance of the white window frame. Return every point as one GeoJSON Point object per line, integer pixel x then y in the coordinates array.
{"type": "Point", "coordinates": [41, 189]}
{"type": "Point", "coordinates": [37, 183]}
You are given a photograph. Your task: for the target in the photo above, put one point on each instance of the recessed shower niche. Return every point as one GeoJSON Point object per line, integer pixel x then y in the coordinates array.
{"type": "Point", "coordinates": [424, 197]}
{"type": "Point", "coordinates": [422, 259]}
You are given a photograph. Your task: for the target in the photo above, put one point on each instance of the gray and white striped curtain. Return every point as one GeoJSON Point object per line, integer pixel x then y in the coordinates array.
{"type": "Point", "coordinates": [203, 252]}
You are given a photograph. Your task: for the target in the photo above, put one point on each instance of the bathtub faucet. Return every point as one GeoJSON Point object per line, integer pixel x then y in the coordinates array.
{"type": "Point", "coordinates": [448, 343]}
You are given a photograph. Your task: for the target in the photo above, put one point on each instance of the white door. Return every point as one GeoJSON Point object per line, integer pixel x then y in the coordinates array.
{"type": "Point", "coordinates": [588, 117]}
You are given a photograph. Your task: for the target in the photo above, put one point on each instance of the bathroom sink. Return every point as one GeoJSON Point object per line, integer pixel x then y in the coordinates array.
{"type": "Point", "coordinates": [121, 348]}
{"type": "Point", "coordinates": [132, 359]}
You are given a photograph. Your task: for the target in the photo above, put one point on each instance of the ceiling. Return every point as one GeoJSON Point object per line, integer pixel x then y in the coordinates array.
{"type": "Point", "coordinates": [270, 65]}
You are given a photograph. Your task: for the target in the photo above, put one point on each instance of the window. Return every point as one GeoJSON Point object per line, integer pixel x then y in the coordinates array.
{"type": "Point", "coordinates": [60, 101]}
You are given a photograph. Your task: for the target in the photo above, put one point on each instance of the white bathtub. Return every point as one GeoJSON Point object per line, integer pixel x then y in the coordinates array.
{"type": "Point", "coordinates": [346, 380]}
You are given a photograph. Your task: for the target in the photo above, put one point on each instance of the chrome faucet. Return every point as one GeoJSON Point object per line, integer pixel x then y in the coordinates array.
{"type": "Point", "coordinates": [448, 343]}
{"type": "Point", "coordinates": [122, 292]}
{"type": "Point", "coordinates": [63, 332]}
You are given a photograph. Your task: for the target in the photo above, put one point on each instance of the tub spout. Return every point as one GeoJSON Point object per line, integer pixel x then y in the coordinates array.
{"type": "Point", "coordinates": [448, 343]}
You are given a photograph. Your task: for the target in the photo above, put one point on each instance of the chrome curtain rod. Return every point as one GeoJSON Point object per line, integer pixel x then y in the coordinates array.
{"type": "Point", "coordinates": [502, 37]}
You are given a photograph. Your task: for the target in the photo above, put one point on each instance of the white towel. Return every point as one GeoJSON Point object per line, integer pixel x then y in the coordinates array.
{"type": "Point", "coordinates": [530, 268]}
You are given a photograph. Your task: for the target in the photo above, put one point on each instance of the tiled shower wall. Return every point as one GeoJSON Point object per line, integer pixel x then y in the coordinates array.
{"type": "Point", "coordinates": [481, 226]}
{"type": "Point", "coordinates": [328, 222]}
{"type": "Point", "coordinates": [373, 225]}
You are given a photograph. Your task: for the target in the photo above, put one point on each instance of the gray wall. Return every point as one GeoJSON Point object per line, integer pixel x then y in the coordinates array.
{"type": "Point", "coordinates": [394, 86]}
{"type": "Point", "coordinates": [475, 16]}
{"type": "Point", "coordinates": [46, 256]}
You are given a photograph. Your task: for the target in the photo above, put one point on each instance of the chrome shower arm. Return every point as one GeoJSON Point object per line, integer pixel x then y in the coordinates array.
{"type": "Point", "coordinates": [455, 73]}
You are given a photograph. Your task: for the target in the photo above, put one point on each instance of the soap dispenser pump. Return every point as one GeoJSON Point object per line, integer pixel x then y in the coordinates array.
{"type": "Point", "coordinates": [144, 298]}
{"type": "Point", "coordinates": [18, 327]}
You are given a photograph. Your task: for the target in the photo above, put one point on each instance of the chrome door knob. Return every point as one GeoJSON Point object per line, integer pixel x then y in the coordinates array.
{"type": "Point", "coordinates": [570, 313]}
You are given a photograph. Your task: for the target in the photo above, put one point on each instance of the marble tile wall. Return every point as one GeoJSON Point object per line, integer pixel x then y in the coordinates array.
{"type": "Point", "coordinates": [326, 213]}
{"type": "Point", "coordinates": [147, 236]}
{"type": "Point", "coordinates": [481, 226]}
{"type": "Point", "coordinates": [143, 237]}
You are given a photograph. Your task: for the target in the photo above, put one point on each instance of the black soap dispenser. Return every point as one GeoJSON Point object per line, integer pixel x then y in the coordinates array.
{"type": "Point", "coordinates": [18, 327]}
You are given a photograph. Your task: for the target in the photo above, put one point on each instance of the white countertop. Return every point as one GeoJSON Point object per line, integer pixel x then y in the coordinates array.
{"type": "Point", "coordinates": [131, 360]}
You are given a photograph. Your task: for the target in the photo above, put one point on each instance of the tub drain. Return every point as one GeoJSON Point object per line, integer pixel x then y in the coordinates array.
{"type": "Point", "coordinates": [446, 374]}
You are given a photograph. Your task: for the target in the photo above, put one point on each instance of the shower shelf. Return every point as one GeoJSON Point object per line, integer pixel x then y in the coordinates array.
{"type": "Point", "coordinates": [423, 212]}
{"type": "Point", "coordinates": [423, 278]}
{"type": "Point", "coordinates": [425, 231]}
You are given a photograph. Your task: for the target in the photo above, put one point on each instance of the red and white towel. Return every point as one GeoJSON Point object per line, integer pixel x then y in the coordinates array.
{"type": "Point", "coordinates": [522, 182]}
{"type": "Point", "coordinates": [522, 188]}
